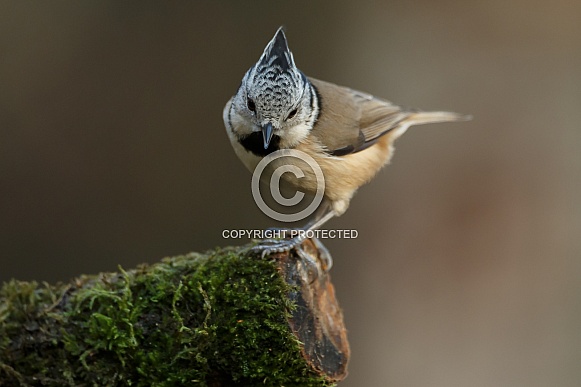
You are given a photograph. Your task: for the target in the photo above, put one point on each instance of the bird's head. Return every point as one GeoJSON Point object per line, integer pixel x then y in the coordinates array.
{"type": "Point", "coordinates": [276, 98]}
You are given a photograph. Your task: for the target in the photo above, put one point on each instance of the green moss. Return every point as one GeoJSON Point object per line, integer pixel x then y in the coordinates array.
{"type": "Point", "coordinates": [189, 320]}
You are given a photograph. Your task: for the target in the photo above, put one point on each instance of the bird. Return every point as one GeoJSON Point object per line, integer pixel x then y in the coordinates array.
{"type": "Point", "coordinates": [349, 133]}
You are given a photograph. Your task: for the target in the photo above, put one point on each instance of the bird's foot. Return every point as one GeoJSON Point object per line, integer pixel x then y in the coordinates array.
{"type": "Point", "coordinates": [314, 255]}
{"type": "Point", "coordinates": [278, 240]}
{"type": "Point", "coordinates": [273, 246]}
{"type": "Point", "coordinates": [324, 256]}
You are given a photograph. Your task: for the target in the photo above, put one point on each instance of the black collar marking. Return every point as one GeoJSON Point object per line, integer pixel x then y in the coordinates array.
{"type": "Point", "coordinates": [255, 143]}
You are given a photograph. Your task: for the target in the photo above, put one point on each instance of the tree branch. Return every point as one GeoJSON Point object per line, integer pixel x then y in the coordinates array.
{"type": "Point", "coordinates": [221, 318]}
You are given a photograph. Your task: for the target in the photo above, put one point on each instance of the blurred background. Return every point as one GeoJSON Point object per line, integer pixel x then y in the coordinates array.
{"type": "Point", "coordinates": [467, 268]}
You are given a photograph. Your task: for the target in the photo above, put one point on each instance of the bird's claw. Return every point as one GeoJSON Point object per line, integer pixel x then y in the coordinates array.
{"type": "Point", "coordinates": [318, 264]}
{"type": "Point", "coordinates": [324, 255]}
{"type": "Point", "coordinates": [274, 246]}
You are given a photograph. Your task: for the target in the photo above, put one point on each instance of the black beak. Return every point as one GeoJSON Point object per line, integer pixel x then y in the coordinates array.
{"type": "Point", "coordinates": [267, 133]}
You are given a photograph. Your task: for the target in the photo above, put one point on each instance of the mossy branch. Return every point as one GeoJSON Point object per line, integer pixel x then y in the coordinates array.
{"type": "Point", "coordinates": [216, 319]}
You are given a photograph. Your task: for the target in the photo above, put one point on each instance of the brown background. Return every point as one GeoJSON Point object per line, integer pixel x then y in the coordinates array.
{"type": "Point", "coordinates": [467, 267]}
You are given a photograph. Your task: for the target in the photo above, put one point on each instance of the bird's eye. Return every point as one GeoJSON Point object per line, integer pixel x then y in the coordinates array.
{"type": "Point", "coordinates": [251, 106]}
{"type": "Point", "coordinates": [291, 114]}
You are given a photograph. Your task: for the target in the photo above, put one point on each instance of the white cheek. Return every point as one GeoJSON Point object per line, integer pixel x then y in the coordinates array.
{"type": "Point", "coordinates": [226, 111]}
{"type": "Point", "coordinates": [238, 124]}
{"type": "Point", "coordinates": [226, 118]}
{"type": "Point", "coordinates": [242, 125]}
{"type": "Point", "coordinates": [295, 135]}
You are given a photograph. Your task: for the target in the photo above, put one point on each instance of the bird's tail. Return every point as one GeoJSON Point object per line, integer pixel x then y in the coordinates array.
{"type": "Point", "coordinates": [419, 118]}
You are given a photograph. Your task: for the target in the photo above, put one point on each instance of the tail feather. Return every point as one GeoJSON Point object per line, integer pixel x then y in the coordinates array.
{"type": "Point", "coordinates": [420, 118]}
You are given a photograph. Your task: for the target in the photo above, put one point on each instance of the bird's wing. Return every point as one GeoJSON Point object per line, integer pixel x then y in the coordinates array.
{"type": "Point", "coordinates": [377, 115]}
{"type": "Point", "coordinates": [351, 121]}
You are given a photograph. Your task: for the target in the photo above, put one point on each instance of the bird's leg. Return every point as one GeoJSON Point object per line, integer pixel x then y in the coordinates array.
{"type": "Point", "coordinates": [322, 215]}
{"type": "Point", "coordinates": [269, 246]}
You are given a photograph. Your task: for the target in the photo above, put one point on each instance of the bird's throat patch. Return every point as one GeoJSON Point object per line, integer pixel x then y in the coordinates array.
{"type": "Point", "coordinates": [254, 143]}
